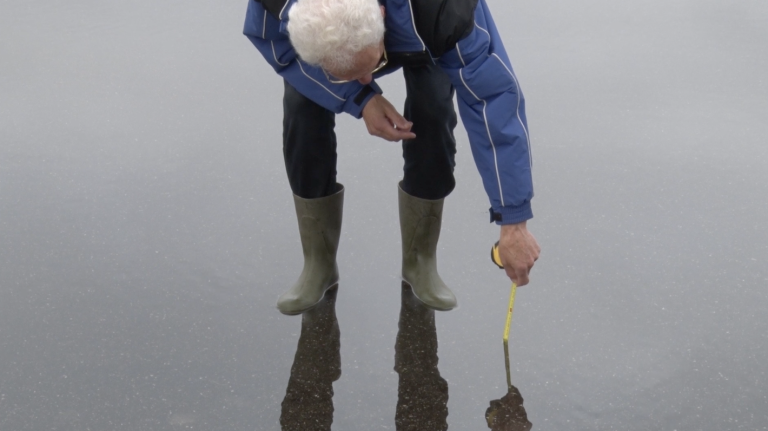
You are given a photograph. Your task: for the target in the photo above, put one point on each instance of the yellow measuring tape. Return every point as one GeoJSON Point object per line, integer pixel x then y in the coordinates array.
{"type": "Point", "coordinates": [509, 313]}
{"type": "Point", "coordinates": [497, 260]}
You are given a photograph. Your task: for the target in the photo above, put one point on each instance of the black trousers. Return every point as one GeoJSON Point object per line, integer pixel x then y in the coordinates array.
{"type": "Point", "coordinates": [309, 140]}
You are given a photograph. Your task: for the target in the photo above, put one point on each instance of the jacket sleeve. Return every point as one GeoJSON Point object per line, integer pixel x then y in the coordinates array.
{"type": "Point", "coordinates": [268, 33]}
{"type": "Point", "coordinates": [492, 109]}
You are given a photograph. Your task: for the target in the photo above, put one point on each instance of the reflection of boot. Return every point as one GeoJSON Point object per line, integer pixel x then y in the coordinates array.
{"type": "Point", "coordinates": [422, 395]}
{"type": "Point", "coordinates": [420, 221]}
{"type": "Point", "coordinates": [508, 413]}
{"type": "Point", "coordinates": [320, 228]}
{"type": "Point", "coordinates": [308, 402]}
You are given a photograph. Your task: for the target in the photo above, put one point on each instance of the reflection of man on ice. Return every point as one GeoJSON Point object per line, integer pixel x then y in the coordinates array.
{"type": "Point", "coordinates": [329, 53]}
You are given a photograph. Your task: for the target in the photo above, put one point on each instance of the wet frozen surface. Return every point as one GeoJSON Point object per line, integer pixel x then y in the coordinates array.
{"type": "Point", "coordinates": [146, 229]}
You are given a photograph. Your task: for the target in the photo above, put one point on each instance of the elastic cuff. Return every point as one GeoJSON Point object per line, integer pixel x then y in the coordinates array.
{"type": "Point", "coordinates": [354, 105]}
{"type": "Point", "coordinates": [511, 215]}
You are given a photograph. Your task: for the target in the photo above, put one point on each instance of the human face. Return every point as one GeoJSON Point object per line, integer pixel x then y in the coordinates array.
{"type": "Point", "coordinates": [367, 62]}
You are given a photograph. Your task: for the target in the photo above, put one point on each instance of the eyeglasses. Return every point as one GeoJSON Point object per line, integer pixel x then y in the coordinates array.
{"type": "Point", "coordinates": [381, 65]}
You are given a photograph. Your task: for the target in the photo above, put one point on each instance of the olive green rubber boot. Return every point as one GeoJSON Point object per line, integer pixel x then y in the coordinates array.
{"type": "Point", "coordinates": [320, 228]}
{"type": "Point", "coordinates": [420, 221]}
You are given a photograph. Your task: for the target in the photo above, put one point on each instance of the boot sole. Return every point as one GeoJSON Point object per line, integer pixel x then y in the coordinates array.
{"type": "Point", "coordinates": [425, 304]}
{"type": "Point", "coordinates": [296, 313]}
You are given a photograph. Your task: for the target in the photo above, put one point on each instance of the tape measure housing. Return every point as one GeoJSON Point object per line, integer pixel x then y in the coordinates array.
{"type": "Point", "coordinates": [495, 257]}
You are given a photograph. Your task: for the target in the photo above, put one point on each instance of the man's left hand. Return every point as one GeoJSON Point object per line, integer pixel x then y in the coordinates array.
{"type": "Point", "coordinates": [518, 251]}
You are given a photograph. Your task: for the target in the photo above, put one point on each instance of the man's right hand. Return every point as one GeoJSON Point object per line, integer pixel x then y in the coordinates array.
{"type": "Point", "coordinates": [383, 120]}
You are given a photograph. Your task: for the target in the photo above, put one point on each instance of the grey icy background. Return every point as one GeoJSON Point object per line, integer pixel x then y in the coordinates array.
{"type": "Point", "coordinates": [146, 225]}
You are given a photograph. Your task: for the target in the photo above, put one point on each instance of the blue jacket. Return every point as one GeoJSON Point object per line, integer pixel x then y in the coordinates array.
{"type": "Point", "coordinates": [459, 36]}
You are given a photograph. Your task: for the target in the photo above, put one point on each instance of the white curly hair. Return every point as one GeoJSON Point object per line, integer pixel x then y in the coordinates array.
{"type": "Point", "coordinates": [329, 33]}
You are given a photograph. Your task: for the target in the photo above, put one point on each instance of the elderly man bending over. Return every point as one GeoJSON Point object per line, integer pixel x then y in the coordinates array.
{"type": "Point", "coordinates": [329, 53]}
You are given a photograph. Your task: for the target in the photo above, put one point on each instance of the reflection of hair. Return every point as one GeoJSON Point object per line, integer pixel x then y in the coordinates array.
{"type": "Point", "coordinates": [329, 33]}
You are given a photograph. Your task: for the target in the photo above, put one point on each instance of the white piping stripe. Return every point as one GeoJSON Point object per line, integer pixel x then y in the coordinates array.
{"type": "Point", "coordinates": [264, 27]}
{"type": "Point", "coordinates": [413, 21]}
{"type": "Point", "coordinates": [486, 31]}
{"type": "Point", "coordinates": [313, 79]}
{"type": "Point", "coordinates": [517, 110]}
{"type": "Point", "coordinates": [283, 9]}
{"type": "Point", "coordinates": [487, 127]}
{"type": "Point", "coordinates": [274, 54]}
